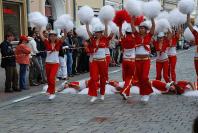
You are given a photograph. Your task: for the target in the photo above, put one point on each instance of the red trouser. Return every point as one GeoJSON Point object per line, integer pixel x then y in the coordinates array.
{"type": "Point", "coordinates": [108, 60]}
{"type": "Point", "coordinates": [172, 65]}
{"type": "Point", "coordinates": [162, 66]}
{"type": "Point", "coordinates": [142, 73]}
{"type": "Point", "coordinates": [98, 71]}
{"type": "Point", "coordinates": [128, 70]}
{"type": "Point", "coordinates": [51, 71]}
{"type": "Point", "coordinates": [196, 67]}
{"type": "Point", "coordinates": [159, 85]}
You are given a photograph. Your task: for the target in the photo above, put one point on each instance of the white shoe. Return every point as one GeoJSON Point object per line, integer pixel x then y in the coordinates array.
{"type": "Point", "coordinates": [102, 97]}
{"type": "Point", "coordinates": [93, 99]}
{"type": "Point", "coordinates": [124, 96]}
{"type": "Point", "coordinates": [52, 96]}
{"type": "Point", "coordinates": [145, 98]}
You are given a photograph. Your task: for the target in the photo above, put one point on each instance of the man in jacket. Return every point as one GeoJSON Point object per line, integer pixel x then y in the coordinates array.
{"type": "Point", "coordinates": [8, 62]}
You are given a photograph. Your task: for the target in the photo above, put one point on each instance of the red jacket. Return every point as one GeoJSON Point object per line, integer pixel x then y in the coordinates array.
{"type": "Point", "coordinates": [22, 54]}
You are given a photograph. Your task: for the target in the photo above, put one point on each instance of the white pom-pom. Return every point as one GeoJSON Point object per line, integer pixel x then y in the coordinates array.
{"type": "Point", "coordinates": [162, 25]}
{"type": "Point", "coordinates": [188, 34]}
{"type": "Point", "coordinates": [163, 14]}
{"type": "Point", "coordinates": [181, 18]}
{"type": "Point", "coordinates": [107, 13]}
{"type": "Point", "coordinates": [186, 6]}
{"type": "Point", "coordinates": [134, 7]}
{"type": "Point", "coordinates": [152, 9]}
{"type": "Point", "coordinates": [37, 19]}
{"type": "Point", "coordinates": [64, 22]}
{"type": "Point", "coordinates": [85, 14]}
{"type": "Point", "coordinates": [113, 27]}
{"type": "Point", "coordinates": [82, 32]}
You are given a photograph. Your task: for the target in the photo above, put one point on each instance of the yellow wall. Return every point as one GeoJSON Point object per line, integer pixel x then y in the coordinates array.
{"type": "Point", "coordinates": [91, 3]}
{"type": "Point", "coordinates": [37, 5]}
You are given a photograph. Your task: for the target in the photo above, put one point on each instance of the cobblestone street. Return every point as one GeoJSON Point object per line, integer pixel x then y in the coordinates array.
{"type": "Point", "coordinates": [75, 114]}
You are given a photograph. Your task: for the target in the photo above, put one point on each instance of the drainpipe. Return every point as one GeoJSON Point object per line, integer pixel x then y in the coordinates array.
{"type": "Point", "coordinates": [74, 8]}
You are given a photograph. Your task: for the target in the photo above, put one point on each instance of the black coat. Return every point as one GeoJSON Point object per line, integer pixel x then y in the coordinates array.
{"type": "Point", "coordinates": [7, 50]}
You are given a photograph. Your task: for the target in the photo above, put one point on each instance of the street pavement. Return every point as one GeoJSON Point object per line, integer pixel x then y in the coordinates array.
{"type": "Point", "coordinates": [75, 114]}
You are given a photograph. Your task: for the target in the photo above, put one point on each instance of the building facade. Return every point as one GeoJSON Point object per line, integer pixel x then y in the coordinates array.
{"type": "Point", "coordinates": [13, 17]}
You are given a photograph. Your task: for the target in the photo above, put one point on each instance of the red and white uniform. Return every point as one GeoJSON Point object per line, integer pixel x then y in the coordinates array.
{"type": "Point", "coordinates": [142, 63]}
{"type": "Point", "coordinates": [162, 60]}
{"type": "Point", "coordinates": [195, 33]}
{"type": "Point", "coordinates": [52, 63]}
{"type": "Point", "coordinates": [98, 68]}
{"type": "Point", "coordinates": [161, 86]}
{"type": "Point", "coordinates": [172, 55]}
{"type": "Point", "coordinates": [128, 62]}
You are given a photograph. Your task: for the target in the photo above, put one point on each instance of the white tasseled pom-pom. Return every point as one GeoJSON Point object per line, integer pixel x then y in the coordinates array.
{"type": "Point", "coordinates": [163, 14]}
{"type": "Point", "coordinates": [85, 14]}
{"type": "Point", "coordinates": [152, 9]}
{"type": "Point", "coordinates": [84, 91]}
{"type": "Point", "coordinates": [64, 22]}
{"type": "Point", "coordinates": [82, 32]}
{"type": "Point", "coordinates": [186, 6]}
{"type": "Point", "coordinates": [162, 25]}
{"type": "Point", "coordinates": [188, 36]}
{"type": "Point", "coordinates": [176, 18]}
{"type": "Point", "coordinates": [107, 13]}
{"type": "Point", "coordinates": [125, 26]}
{"type": "Point", "coordinates": [69, 91]}
{"type": "Point", "coordinates": [134, 7]}
{"type": "Point", "coordinates": [37, 19]}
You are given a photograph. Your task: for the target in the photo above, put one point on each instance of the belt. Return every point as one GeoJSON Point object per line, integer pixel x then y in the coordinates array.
{"type": "Point", "coordinates": [129, 59]}
{"type": "Point", "coordinates": [144, 58]}
{"type": "Point", "coordinates": [195, 58]}
{"type": "Point", "coordinates": [103, 59]}
{"type": "Point", "coordinates": [161, 60]}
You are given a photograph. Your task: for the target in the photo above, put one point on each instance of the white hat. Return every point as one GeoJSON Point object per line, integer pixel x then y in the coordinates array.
{"type": "Point", "coordinates": [98, 28]}
{"type": "Point", "coordinates": [161, 34]}
{"type": "Point", "coordinates": [52, 32]}
{"type": "Point", "coordinates": [144, 24]}
{"type": "Point", "coordinates": [128, 29]}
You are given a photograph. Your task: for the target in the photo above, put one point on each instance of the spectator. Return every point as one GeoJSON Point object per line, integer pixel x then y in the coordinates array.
{"type": "Point", "coordinates": [22, 58]}
{"type": "Point", "coordinates": [9, 64]}
{"type": "Point", "coordinates": [62, 72]}
{"type": "Point", "coordinates": [34, 64]}
{"type": "Point", "coordinates": [41, 55]}
{"type": "Point", "coordinates": [76, 53]}
{"type": "Point", "coordinates": [70, 43]}
{"type": "Point", "coordinates": [83, 59]}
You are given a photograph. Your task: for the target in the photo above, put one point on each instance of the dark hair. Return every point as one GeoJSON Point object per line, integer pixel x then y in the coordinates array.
{"type": "Point", "coordinates": [20, 41]}
{"type": "Point", "coordinates": [8, 35]}
{"type": "Point", "coordinates": [128, 33]}
{"type": "Point", "coordinates": [195, 126]}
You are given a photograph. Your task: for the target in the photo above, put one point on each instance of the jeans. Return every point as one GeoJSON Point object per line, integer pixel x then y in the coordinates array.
{"type": "Point", "coordinates": [22, 76]}
{"type": "Point", "coordinates": [69, 63]}
{"type": "Point", "coordinates": [41, 61]}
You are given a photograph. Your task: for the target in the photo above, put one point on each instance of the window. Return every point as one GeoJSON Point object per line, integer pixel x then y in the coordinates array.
{"type": "Point", "coordinates": [12, 18]}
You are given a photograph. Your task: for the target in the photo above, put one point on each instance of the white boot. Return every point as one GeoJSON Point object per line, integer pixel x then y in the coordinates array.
{"type": "Point", "coordinates": [145, 98]}
{"type": "Point", "coordinates": [102, 97]}
{"type": "Point", "coordinates": [52, 96]}
{"type": "Point", "coordinates": [93, 99]}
